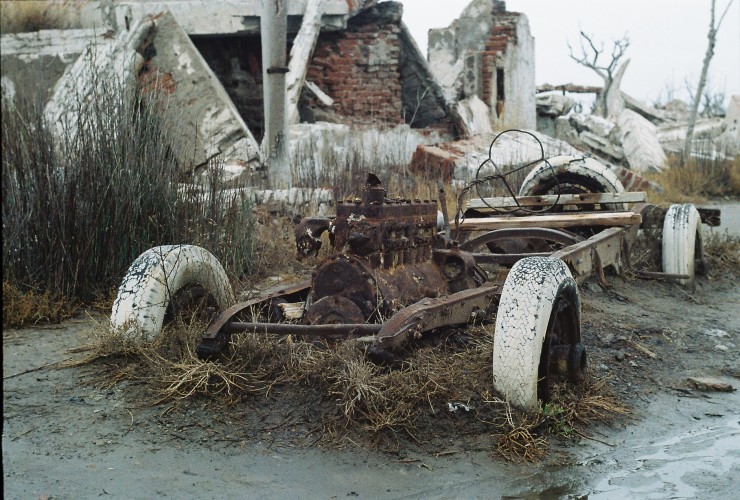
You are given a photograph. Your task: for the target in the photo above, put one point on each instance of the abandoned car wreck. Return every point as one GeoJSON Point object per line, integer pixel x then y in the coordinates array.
{"type": "Point", "coordinates": [355, 83]}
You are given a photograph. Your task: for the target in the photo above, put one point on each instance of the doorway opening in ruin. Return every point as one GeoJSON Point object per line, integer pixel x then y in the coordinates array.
{"type": "Point", "coordinates": [500, 92]}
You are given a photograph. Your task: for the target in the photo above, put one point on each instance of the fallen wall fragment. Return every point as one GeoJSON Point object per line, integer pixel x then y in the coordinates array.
{"type": "Point", "coordinates": [205, 120]}
{"type": "Point", "coordinates": [104, 64]}
{"type": "Point", "coordinates": [640, 143]}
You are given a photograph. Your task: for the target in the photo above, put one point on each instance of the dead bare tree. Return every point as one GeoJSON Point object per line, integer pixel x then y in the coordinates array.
{"type": "Point", "coordinates": [609, 102]}
{"type": "Point", "coordinates": [714, 25]}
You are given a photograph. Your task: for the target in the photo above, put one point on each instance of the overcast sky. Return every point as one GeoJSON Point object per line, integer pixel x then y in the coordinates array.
{"type": "Point", "coordinates": [668, 39]}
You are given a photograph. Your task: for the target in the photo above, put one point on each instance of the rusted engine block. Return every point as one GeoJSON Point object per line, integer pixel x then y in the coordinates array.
{"type": "Point", "coordinates": [385, 256]}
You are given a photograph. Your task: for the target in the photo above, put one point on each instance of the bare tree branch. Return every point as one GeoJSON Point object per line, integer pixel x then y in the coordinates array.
{"type": "Point", "coordinates": [711, 42]}
{"type": "Point", "coordinates": [610, 72]}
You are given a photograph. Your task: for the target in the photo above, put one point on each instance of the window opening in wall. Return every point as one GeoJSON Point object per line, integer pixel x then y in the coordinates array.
{"type": "Point", "coordinates": [500, 92]}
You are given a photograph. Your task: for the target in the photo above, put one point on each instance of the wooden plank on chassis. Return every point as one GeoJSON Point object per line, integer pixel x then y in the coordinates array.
{"type": "Point", "coordinates": [552, 221]}
{"type": "Point", "coordinates": [550, 199]}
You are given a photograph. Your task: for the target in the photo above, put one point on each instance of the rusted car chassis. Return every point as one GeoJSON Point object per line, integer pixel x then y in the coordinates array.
{"type": "Point", "coordinates": [391, 277]}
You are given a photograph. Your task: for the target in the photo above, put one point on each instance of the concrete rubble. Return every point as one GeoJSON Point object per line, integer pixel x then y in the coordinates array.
{"type": "Point", "coordinates": [111, 61]}
{"type": "Point", "coordinates": [360, 94]}
{"type": "Point", "coordinates": [459, 161]}
{"type": "Point", "coordinates": [33, 62]}
{"type": "Point", "coordinates": [205, 120]}
{"type": "Point", "coordinates": [640, 144]}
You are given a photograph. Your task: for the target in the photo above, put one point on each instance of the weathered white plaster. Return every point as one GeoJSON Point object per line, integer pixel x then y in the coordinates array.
{"type": "Point", "coordinates": [640, 143]}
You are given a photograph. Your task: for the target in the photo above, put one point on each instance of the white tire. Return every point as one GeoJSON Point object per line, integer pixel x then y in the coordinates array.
{"type": "Point", "coordinates": [583, 175]}
{"type": "Point", "coordinates": [538, 316]}
{"type": "Point", "coordinates": [682, 242]}
{"type": "Point", "coordinates": [154, 279]}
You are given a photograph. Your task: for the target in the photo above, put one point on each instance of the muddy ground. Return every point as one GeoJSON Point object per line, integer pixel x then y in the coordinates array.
{"type": "Point", "coordinates": [65, 436]}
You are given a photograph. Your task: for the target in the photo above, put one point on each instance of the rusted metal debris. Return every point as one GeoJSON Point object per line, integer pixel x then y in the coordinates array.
{"type": "Point", "coordinates": [386, 256]}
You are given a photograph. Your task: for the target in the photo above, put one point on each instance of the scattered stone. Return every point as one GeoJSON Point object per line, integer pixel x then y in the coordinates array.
{"type": "Point", "coordinates": [592, 123]}
{"type": "Point", "coordinates": [619, 356]}
{"type": "Point", "coordinates": [716, 332]}
{"type": "Point", "coordinates": [721, 347]}
{"type": "Point", "coordinates": [709, 384]}
{"type": "Point", "coordinates": [553, 104]}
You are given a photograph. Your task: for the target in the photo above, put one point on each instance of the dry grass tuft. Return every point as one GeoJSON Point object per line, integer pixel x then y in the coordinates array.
{"type": "Point", "coordinates": [30, 307]}
{"type": "Point", "coordinates": [356, 399]}
{"type": "Point", "coordinates": [697, 180]}
{"type": "Point", "coordinates": [722, 251]}
{"type": "Point", "coordinates": [518, 441]}
{"type": "Point", "coordinates": [594, 402]}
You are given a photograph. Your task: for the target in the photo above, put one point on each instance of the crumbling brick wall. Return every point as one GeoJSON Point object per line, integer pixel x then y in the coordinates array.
{"type": "Point", "coordinates": [368, 69]}
{"type": "Point", "coordinates": [359, 68]}
{"type": "Point", "coordinates": [503, 32]}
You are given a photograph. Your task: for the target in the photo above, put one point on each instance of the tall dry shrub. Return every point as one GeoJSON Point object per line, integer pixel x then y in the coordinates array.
{"type": "Point", "coordinates": [78, 209]}
{"type": "Point", "coordinates": [698, 179]}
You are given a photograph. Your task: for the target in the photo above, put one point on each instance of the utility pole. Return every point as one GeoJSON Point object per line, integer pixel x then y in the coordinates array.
{"type": "Point", "coordinates": [274, 28]}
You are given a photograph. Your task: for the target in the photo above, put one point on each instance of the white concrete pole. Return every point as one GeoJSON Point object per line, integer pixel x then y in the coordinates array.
{"type": "Point", "coordinates": [274, 28]}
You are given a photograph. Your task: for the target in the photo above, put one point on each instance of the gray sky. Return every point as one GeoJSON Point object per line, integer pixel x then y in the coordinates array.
{"type": "Point", "coordinates": [668, 39]}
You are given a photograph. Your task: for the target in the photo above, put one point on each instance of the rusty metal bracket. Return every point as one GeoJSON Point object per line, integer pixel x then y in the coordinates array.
{"type": "Point", "coordinates": [428, 314]}
{"type": "Point", "coordinates": [216, 337]}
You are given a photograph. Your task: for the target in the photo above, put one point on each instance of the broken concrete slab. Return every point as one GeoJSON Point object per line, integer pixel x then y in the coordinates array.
{"type": "Point", "coordinates": [640, 143]}
{"type": "Point", "coordinates": [458, 161]}
{"type": "Point", "coordinates": [301, 200]}
{"type": "Point", "coordinates": [553, 105]}
{"type": "Point", "coordinates": [601, 146]}
{"type": "Point", "coordinates": [730, 139]}
{"type": "Point", "coordinates": [32, 63]}
{"type": "Point", "coordinates": [318, 151]}
{"type": "Point", "coordinates": [319, 94]}
{"type": "Point", "coordinates": [208, 123]}
{"type": "Point", "coordinates": [300, 55]}
{"type": "Point", "coordinates": [105, 63]}
{"type": "Point", "coordinates": [564, 130]}
{"type": "Point", "coordinates": [206, 17]}
{"type": "Point", "coordinates": [651, 113]}
{"type": "Point", "coordinates": [592, 123]}
{"type": "Point", "coordinates": [292, 200]}
{"type": "Point", "coordinates": [472, 117]}
{"type": "Point", "coordinates": [707, 133]}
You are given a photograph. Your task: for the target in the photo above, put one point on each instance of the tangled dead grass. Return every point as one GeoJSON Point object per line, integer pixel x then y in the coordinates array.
{"type": "Point", "coordinates": [524, 438]}
{"type": "Point", "coordinates": [22, 308]}
{"type": "Point", "coordinates": [697, 180]}
{"type": "Point", "coordinates": [442, 387]}
{"type": "Point", "coordinates": [722, 251]}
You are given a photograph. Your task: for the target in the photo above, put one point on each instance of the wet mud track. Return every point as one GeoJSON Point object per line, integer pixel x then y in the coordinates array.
{"type": "Point", "coordinates": [66, 438]}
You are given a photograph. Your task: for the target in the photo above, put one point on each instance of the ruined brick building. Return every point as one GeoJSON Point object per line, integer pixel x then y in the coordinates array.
{"type": "Point", "coordinates": [489, 53]}
{"type": "Point", "coordinates": [365, 68]}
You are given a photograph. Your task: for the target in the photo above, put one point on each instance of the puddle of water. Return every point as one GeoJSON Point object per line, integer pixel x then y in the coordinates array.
{"type": "Point", "coordinates": [681, 466]}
